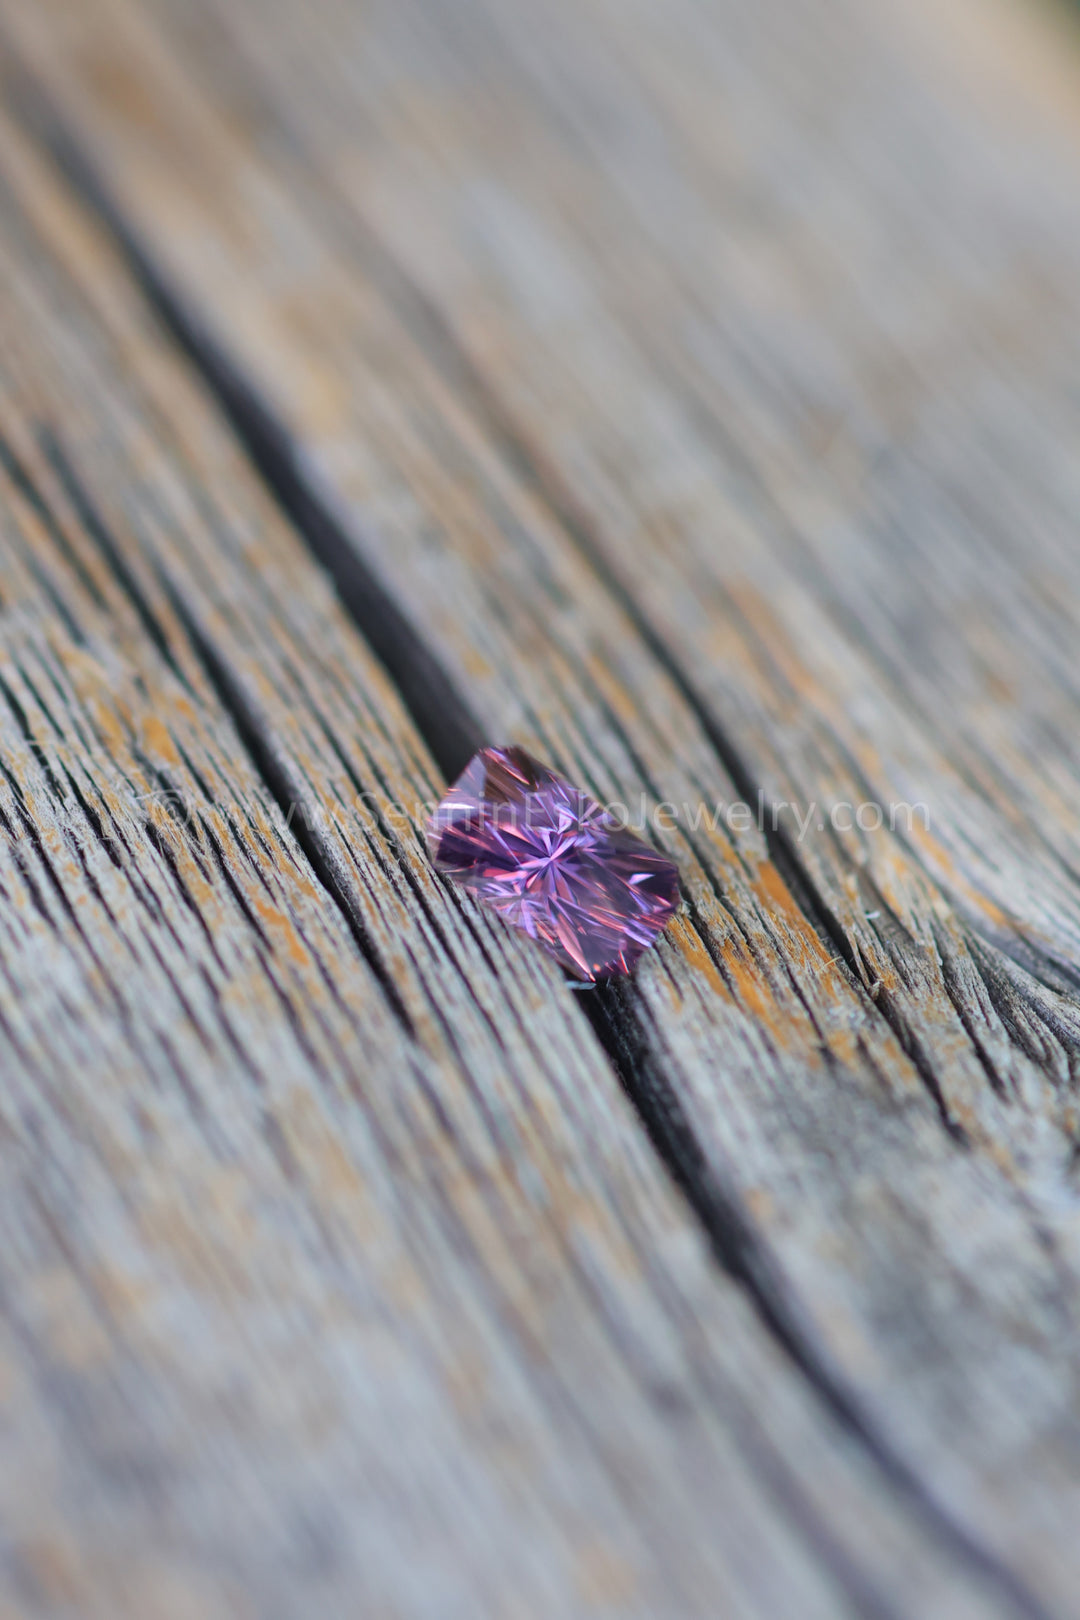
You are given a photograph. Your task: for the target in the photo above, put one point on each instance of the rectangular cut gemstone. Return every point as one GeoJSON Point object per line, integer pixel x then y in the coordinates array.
{"type": "Point", "coordinates": [553, 862]}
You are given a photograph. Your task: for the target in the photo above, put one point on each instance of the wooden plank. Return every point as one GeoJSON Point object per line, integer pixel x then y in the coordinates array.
{"type": "Point", "coordinates": [558, 406]}
{"type": "Point", "coordinates": [337, 1274]}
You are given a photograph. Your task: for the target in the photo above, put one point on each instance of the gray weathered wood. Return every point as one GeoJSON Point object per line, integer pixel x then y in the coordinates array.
{"type": "Point", "coordinates": [337, 1274]}
{"type": "Point", "coordinates": [632, 410]}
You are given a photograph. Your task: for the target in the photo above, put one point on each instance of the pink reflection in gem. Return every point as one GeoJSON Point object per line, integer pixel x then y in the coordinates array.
{"type": "Point", "coordinates": [551, 861]}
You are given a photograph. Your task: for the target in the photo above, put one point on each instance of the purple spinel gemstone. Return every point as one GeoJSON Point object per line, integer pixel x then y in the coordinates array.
{"type": "Point", "coordinates": [551, 861]}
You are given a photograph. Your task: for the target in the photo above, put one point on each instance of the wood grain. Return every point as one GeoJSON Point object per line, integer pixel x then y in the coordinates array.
{"type": "Point", "coordinates": [696, 453]}
{"type": "Point", "coordinates": [337, 1273]}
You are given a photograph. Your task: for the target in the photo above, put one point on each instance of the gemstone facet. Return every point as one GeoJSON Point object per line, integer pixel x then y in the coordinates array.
{"type": "Point", "coordinates": [553, 862]}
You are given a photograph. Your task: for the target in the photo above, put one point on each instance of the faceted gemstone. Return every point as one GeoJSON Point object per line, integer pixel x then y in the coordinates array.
{"type": "Point", "coordinates": [551, 861]}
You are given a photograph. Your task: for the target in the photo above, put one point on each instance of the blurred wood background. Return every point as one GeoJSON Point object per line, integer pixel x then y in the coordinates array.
{"type": "Point", "coordinates": [690, 391]}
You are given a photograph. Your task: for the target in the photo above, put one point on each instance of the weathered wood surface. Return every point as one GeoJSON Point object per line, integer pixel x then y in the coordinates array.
{"type": "Point", "coordinates": [337, 1275]}
{"type": "Point", "coordinates": [687, 393]}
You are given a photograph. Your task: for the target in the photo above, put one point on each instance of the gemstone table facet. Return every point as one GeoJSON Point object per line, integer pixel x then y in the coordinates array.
{"type": "Point", "coordinates": [553, 862]}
